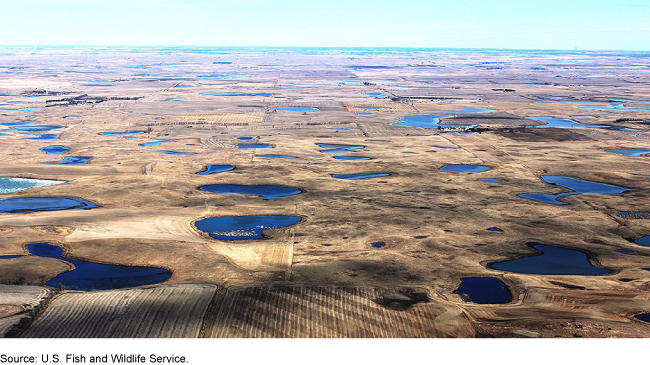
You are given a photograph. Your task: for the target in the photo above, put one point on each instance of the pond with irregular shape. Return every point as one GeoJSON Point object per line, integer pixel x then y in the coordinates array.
{"type": "Point", "coordinates": [360, 175]}
{"type": "Point", "coordinates": [245, 226]}
{"type": "Point", "coordinates": [267, 191]}
{"type": "Point", "coordinates": [553, 260]}
{"type": "Point", "coordinates": [147, 144]}
{"type": "Point", "coordinates": [212, 169]}
{"type": "Point", "coordinates": [34, 128]}
{"type": "Point", "coordinates": [42, 204]}
{"type": "Point", "coordinates": [175, 152]}
{"type": "Point", "coordinates": [469, 169]}
{"type": "Point", "coordinates": [484, 290]}
{"type": "Point", "coordinates": [46, 136]}
{"type": "Point", "coordinates": [10, 185]}
{"type": "Point", "coordinates": [55, 150]}
{"type": "Point", "coordinates": [643, 241]}
{"type": "Point", "coordinates": [253, 145]}
{"type": "Point", "coordinates": [71, 161]}
{"type": "Point", "coordinates": [637, 152]}
{"type": "Point", "coordinates": [578, 186]}
{"type": "Point", "coordinates": [96, 276]}
{"type": "Point", "coordinates": [425, 121]}
{"type": "Point", "coordinates": [552, 122]}
{"type": "Point", "coordinates": [296, 109]}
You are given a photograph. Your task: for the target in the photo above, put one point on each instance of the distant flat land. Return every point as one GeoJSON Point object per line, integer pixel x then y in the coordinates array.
{"type": "Point", "coordinates": [376, 257]}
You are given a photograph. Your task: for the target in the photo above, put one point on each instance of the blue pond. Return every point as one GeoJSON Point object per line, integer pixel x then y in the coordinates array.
{"type": "Point", "coordinates": [552, 122]}
{"type": "Point", "coordinates": [352, 158]}
{"type": "Point", "coordinates": [245, 138]}
{"type": "Point", "coordinates": [276, 156]}
{"type": "Point", "coordinates": [495, 229]}
{"type": "Point", "coordinates": [376, 95]}
{"type": "Point", "coordinates": [146, 144]}
{"type": "Point", "coordinates": [484, 290]}
{"type": "Point", "coordinates": [378, 244]}
{"type": "Point", "coordinates": [46, 136]}
{"type": "Point", "coordinates": [120, 133]}
{"type": "Point", "coordinates": [245, 226]}
{"type": "Point", "coordinates": [267, 191]}
{"type": "Point", "coordinates": [34, 128]}
{"type": "Point", "coordinates": [175, 152]}
{"type": "Point", "coordinates": [364, 113]}
{"type": "Point", "coordinates": [470, 169]}
{"type": "Point", "coordinates": [578, 186]}
{"type": "Point", "coordinates": [341, 146]}
{"type": "Point", "coordinates": [211, 169]}
{"type": "Point", "coordinates": [253, 145]}
{"type": "Point", "coordinates": [296, 109]}
{"type": "Point", "coordinates": [360, 175]}
{"type": "Point", "coordinates": [553, 261]}
{"type": "Point", "coordinates": [26, 122]}
{"type": "Point", "coordinates": [10, 185]}
{"type": "Point", "coordinates": [643, 241]}
{"type": "Point", "coordinates": [70, 161]}
{"type": "Point", "coordinates": [96, 276]}
{"type": "Point", "coordinates": [463, 110]}
{"type": "Point", "coordinates": [425, 121]}
{"type": "Point", "coordinates": [39, 204]}
{"type": "Point", "coordinates": [645, 317]}
{"type": "Point", "coordinates": [492, 181]}
{"type": "Point", "coordinates": [55, 150]}
{"type": "Point", "coordinates": [629, 151]}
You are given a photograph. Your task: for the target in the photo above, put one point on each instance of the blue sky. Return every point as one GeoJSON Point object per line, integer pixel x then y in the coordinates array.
{"type": "Point", "coordinates": [551, 24]}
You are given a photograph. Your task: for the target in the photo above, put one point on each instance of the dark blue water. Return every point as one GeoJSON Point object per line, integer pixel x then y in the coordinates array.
{"type": "Point", "coordinates": [211, 169]}
{"type": "Point", "coordinates": [10, 256]}
{"type": "Point", "coordinates": [484, 290]}
{"type": "Point", "coordinates": [495, 229]}
{"type": "Point", "coordinates": [643, 241]}
{"type": "Point", "coordinates": [378, 244]}
{"type": "Point", "coordinates": [55, 150]}
{"type": "Point", "coordinates": [296, 109]}
{"type": "Point", "coordinates": [244, 227]}
{"type": "Point", "coordinates": [26, 122]}
{"type": "Point", "coordinates": [119, 133]}
{"type": "Point", "coordinates": [560, 123]}
{"type": "Point", "coordinates": [645, 317]}
{"type": "Point", "coordinates": [425, 121]}
{"type": "Point", "coordinates": [267, 191]}
{"type": "Point", "coordinates": [175, 152]}
{"type": "Point", "coordinates": [629, 151]}
{"type": "Point", "coordinates": [70, 161]}
{"type": "Point", "coordinates": [340, 146]}
{"type": "Point", "coordinates": [237, 94]}
{"type": "Point", "coordinates": [360, 175]}
{"type": "Point", "coordinates": [46, 136]}
{"type": "Point", "coordinates": [34, 128]}
{"type": "Point", "coordinates": [245, 138]}
{"type": "Point", "coordinates": [253, 145]}
{"type": "Point", "coordinates": [39, 204]}
{"type": "Point", "coordinates": [276, 156]}
{"type": "Point", "coordinates": [96, 276]}
{"type": "Point", "coordinates": [147, 144]}
{"type": "Point", "coordinates": [470, 169]}
{"type": "Point", "coordinates": [625, 250]}
{"type": "Point", "coordinates": [352, 158]}
{"type": "Point", "coordinates": [492, 181]}
{"type": "Point", "coordinates": [578, 186]}
{"type": "Point", "coordinates": [553, 261]}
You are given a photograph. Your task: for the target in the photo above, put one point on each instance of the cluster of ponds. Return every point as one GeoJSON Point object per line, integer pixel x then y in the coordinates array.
{"type": "Point", "coordinates": [576, 185]}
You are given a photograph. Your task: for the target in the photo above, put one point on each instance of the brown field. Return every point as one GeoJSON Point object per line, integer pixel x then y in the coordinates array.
{"type": "Point", "coordinates": [322, 277]}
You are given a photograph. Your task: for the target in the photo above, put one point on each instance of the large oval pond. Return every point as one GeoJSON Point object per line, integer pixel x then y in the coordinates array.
{"type": "Point", "coordinates": [484, 290]}
{"type": "Point", "coordinates": [469, 169]}
{"type": "Point", "coordinates": [55, 150]}
{"type": "Point", "coordinates": [267, 191]}
{"type": "Point", "coordinates": [40, 204]}
{"type": "Point", "coordinates": [553, 260]}
{"type": "Point", "coordinates": [96, 276]}
{"type": "Point", "coordinates": [244, 226]}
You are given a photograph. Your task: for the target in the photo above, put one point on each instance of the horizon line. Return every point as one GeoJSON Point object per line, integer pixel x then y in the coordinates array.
{"type": "Point", "coordinates": [315, 47]}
